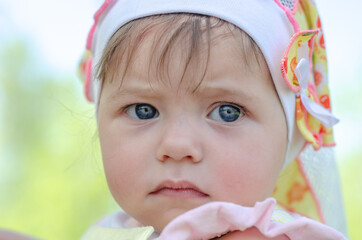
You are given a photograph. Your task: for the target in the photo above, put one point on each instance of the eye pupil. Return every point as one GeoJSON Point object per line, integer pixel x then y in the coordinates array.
{"type": "Point", "coordinates": [145, 111]}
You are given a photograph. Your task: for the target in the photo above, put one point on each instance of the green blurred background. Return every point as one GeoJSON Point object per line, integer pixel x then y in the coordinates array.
{"type": "Point", "coordinates": [51, 176]}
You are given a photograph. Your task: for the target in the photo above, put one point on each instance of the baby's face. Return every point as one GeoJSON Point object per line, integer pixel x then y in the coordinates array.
{"type": "Point", "coordinates": [168, 149]}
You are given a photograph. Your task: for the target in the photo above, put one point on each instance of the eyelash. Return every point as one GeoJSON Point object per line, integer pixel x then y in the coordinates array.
{"type": "Point", "coordinates": [218, 104]}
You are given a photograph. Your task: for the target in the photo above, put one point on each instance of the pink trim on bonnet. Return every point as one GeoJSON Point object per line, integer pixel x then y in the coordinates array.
{"type": "Point", "coordinates": [314, 196]}
{"type": "Point", "coordinates": [88, 79]}
{"type": "Point", "coordinates": [290, 14]}
{"type": "Point", "coordinates": [88, 71]}
{"type": "Point", "coordinates": [96, 18]}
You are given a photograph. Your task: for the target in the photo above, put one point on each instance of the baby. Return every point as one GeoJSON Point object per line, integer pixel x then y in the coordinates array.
{"type": "Point", "coordinates": [200, 106]}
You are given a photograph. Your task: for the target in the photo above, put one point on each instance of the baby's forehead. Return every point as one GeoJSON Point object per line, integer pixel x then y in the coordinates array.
{"type": "Point", "coordinates": [158, 45]}
{"type": "Point", "coordinates": [197, 33]}
{"type": "Point", "coordinates": [217, 72]}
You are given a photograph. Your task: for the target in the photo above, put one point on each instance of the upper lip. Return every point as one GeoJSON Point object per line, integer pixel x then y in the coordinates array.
{"type": "Point", "coordinates": [183, 184]}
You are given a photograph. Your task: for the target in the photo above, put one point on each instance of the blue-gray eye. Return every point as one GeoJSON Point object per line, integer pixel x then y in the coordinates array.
{"type": "Point", "coordinates": [142, 111]}
{"type": "Point", "coordinates": [226, 113]}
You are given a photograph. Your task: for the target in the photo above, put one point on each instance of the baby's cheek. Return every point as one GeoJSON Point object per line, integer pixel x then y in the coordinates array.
{"type": "Point", "coordinates": [117, 179]}
{"type": "Point", "coordinates": [242, 183]}
{"type": "Point", "coordinates": [120, 168]}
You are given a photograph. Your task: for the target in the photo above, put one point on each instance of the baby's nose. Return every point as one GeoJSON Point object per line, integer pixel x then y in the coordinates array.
{"type": "Point", "coordinates": [179, 142]}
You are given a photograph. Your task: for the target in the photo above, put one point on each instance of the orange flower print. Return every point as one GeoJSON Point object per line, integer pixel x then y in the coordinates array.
{"type": "Point", "coordinates": [310, 43]}
{"type": "Point", "coordinates": [293, 65]}
{"type": "Point", "coordinates": [322, 130]}
{"type": "Point", "coordinates": [300, 42]}
{"type": "Point", "coordinates": [275, 190]}
{"type": "Point", "coordinates": [318, 78]}
{"type": "Point", "coordinates": [321, 41]}
{"type": "Point", "coordinates": [325, 101]}
{"type": "Point", "coordinates": [296, 193]}
{"type": "Point", "coordinates": [286, 65]}
{"type": "Point", "coordinates": [299, 112]}
{"type": "Point", "coordinates": [319, 24]}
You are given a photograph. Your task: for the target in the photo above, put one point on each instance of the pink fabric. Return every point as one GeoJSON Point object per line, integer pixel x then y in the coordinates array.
{"type": "Point", "coordinates": [96, 17]}
{"type": "Point", "coordinates": [290, 14]}
{"type": "Point", "coordinates": [216, 218]}
{"type": "Point", "coordinates": [88, 79]}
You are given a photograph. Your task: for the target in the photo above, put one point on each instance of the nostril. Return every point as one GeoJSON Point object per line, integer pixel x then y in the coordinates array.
{"type": "Point", "coordinates": [164, 158]}
{"type": "Point", "coordinates": [191, 158]}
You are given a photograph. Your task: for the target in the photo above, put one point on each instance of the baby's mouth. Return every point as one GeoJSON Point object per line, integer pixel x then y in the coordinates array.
{"type": "Point", "coordinates": [178, 189]}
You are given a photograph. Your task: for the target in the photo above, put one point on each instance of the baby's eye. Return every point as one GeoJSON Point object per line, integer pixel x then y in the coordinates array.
{"type": "Point", "coordinates": [142, 111]}
{"type": "Point", "coordinates": [226, 113]}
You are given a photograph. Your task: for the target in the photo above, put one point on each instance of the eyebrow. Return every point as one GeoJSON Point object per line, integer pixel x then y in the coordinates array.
{"type": "Point", "coordinates": [215, 91]}
{"type": "Point", "coordinates": [207, 91]}
{"type": "Point", "coordinates": [141, 89]}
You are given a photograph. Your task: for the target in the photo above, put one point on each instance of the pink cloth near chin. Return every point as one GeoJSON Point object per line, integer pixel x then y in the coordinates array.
{"type": "Point", "coordinates": [217, 218]}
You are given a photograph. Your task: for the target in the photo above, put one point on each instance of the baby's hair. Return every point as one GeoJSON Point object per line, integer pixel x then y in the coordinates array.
{"type": "Point", "coordinates": [190, 32]}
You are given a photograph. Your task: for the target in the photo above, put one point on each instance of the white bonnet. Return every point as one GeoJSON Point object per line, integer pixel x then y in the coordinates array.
{"type": "Point", "coordinates": [265, 21]}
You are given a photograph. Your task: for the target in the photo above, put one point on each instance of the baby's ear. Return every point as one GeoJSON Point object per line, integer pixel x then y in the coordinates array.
{"type": "Point", "coordinates": [7, 235]}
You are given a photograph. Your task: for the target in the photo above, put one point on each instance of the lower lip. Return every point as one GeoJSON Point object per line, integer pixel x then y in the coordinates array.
{"type": "Point", "coordinates": [180, 193]}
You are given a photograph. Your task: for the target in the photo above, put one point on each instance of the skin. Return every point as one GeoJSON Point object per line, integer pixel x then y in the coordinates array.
{"type": "Point", "coordinates": [187, 141]}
